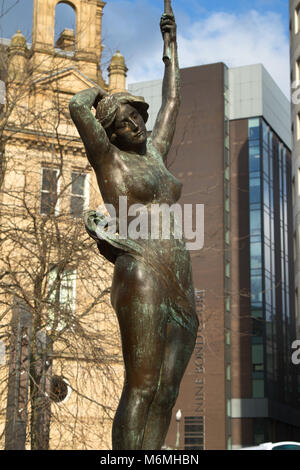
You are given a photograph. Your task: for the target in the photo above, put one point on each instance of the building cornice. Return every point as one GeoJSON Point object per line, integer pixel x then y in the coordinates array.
{"type": "Point", "coordinates": [17, 136]}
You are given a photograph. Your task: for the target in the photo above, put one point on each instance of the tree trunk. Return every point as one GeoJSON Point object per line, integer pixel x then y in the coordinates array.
{"type": "Point", "coordinates": [17, 394]}
{"type": "Point", "coordinates": [41, 371]}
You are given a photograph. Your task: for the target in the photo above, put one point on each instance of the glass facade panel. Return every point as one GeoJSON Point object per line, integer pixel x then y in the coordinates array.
{"type": "Point", "coordinates": [254, 129]}
{"type": "Point", "coordinates": [267, 232]}
{"type": "Point", "coordinates": [256, 255]}
{"type": "Point", "coordinates": [255, 222]}
{"type": "Point", "coordinates": [254, 159]}
{"type": "Point", "coordinates": [269, 281]}
{"type": "Point", "coordinates": [258, 388]}
{"type": "Point", "coordinates": [256, 288]}
{"type": "Point", "coordinates": [255, 191]}
{"type": "Point", "coordinates": [257, 354]}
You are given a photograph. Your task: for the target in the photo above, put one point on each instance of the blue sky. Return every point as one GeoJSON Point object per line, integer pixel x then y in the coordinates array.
{"type": "Point", "coordinates": [237, 32]}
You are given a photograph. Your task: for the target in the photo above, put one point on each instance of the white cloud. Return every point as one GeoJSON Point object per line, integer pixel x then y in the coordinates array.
{"type": "Point", "coordinates": [239, 40]}
{"type": "Point", "coordinates": [236, 39]}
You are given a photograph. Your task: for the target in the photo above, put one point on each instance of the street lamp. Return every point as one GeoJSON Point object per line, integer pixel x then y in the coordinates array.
{"type": "Point", "coordinates": [178, 419]}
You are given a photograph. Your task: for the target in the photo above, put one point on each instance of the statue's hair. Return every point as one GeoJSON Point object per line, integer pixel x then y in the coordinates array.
{"type": "Point", "coordinates": [107, 107]}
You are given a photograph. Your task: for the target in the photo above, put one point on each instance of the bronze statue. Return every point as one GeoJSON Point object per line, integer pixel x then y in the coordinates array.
{"type": "Point", "coordinates": [152, 290]}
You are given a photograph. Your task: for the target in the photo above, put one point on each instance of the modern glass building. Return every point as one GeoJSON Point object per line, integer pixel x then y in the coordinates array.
{"type": "Point", "coordinates": [271, 275]}
{"type": "Point", "coordinates": [295, 128]}
{"type": "Point", "coordinates": [265, 401]}
{"type": "Point", "coordinates": [232, 153]}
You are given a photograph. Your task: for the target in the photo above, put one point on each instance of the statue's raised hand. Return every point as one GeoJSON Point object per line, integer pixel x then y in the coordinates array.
{"type": "Point", "coordinates": [168, 27]}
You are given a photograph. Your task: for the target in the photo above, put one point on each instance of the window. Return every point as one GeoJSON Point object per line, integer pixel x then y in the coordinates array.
{"type": "Point", "coordinates": [2, 93]}
{"type": "Point", "coordinates": [2, 353]}
{"type": "Point", "coordinates": [227, 269]}
{"type": "Point", "coordinates": [258, 328]}
{"type": "Point", "coordinates": [194, 433]}
{"type": "Point", "coordinates": [60, 389]}
{"type": "Point", "coordinates": [297, 19]}
{"type": "Point", "coordinates": [259, 431]}
{"type": "Point", "coordinates": [79, 194]}
{"type": "Point", "coordinates": [254, 158]}
{"type": "Point", "coordinates": [255, 222]}
{"type": "Point", "coordinates": [227, 237]}
{"type": "Point", "coordinates": [49, 191]}
{"type": "Point", "coordinates": [62, 296]}
{"type": "Point", "coordinates": [258, 357]}
{"type": "Point", "coordinates": [297, 75]}
{"type": "Point", "coordinates": [258, 388]}
{"type": "Point", "coordinates": [226, 174]}
{"type": "Point", "coordinates": [298, 127]}
{"type": "Point", "coordinates": [227, 204]}
{"type": "Point", "coordinates": [228, 407]}
{"type": "Point", "coordinates": [254, 196]}
{"type": "Point", "coordinates": [256, 255]}
{"type": "Point", "coordinates": [254, 129]}
{"type": "Point", "coordinates": [228, 338]}
{"type": "Point", "coordinates": [256, 288]}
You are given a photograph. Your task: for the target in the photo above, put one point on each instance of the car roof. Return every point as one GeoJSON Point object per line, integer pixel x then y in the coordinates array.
{"type": "Point", "coordinates": [272, 445]}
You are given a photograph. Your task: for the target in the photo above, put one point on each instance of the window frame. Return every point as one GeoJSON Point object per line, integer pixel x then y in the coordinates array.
{"type": "Point", "coordinates": [57, 205]}
{"type": "Point", "coordinates": [86, 192]}
{"type": "Point", "coordinates": [61, 324]}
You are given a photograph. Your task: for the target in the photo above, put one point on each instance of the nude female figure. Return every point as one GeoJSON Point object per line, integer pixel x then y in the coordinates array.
{"type": "Point", "coordinates": [152, 290]}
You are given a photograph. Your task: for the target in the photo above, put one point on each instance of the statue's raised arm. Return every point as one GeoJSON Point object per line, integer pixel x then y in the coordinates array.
{"type": "Point", "coordinates": [165, 124]}
{"type": "Point", "coordinates": [92, 133]}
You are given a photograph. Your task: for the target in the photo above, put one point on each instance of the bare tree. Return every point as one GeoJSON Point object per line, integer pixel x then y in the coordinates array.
{"type": "Point", "coordinates": [5, 7]}
{"type": "Point", "coordinates": [56, 318]}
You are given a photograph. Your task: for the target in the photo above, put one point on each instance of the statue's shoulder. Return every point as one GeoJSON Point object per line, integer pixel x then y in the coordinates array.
{"type": "Point", "coordinates": [109, 161]}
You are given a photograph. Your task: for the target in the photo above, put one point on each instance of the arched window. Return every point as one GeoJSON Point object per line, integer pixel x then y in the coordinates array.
{"type": "Point", "coordinates": [65, 26]}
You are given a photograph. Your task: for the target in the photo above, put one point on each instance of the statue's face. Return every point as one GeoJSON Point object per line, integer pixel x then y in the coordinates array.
{"type": "Point", "coordinates": [130, 130]}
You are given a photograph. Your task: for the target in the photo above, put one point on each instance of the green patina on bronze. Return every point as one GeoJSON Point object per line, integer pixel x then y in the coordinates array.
{"type": "Point", "coordinates": [152, 290]}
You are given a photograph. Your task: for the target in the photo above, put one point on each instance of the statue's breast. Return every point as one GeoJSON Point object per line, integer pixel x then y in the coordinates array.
{"type": "Point", "coordinates": [148, 180]}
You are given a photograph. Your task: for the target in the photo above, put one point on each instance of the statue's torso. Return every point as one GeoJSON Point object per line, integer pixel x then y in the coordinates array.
{"type": "Point", "coordinates": [144, 179]}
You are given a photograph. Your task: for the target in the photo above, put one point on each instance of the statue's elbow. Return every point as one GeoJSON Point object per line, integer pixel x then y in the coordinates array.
{"type": "Point", "coordinates": [72, 102]}
{"type": "Point", "coordinates": [74, 107]}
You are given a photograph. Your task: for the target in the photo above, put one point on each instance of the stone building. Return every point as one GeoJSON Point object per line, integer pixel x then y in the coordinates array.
{"type": "Point", "coordinates": [57, 326]}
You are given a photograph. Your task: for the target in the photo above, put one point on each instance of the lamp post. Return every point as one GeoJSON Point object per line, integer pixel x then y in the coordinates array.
{"type": "Point", "coordinates": [178, 419]}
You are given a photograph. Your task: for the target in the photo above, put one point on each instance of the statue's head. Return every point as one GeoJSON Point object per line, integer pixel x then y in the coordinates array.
{"type": "Point", "coordinates": [124, 117]}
